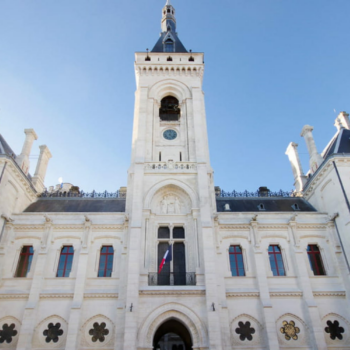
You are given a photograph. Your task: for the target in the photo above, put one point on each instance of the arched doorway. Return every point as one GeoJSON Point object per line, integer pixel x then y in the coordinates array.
{"type": "Point", "coordinates": [172, 335]}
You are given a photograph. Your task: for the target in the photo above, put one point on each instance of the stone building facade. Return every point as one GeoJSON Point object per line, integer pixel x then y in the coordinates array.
{"type": "Point", "coordinates": [248, 271]}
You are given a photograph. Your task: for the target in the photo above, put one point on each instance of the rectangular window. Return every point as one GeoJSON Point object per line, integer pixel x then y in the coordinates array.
{"type": "Point", "coordinates": [106, 262]}
{"type": "Point", "coordinates": [315, 258]}
{"type": "Point", "coordinates": [25, 261]}
{"type": "Point", "coordinates": [179, 263]}
{"type": "Point", "coordinates": [276, 260]}
{"type": "Point", "coordinates": [65, 262]}
{"type": "Point", "coordinates": [236, 261]}
{"type": "Point", "coordinates": [169, 46]}
{"type": "Point", "coordinates": [163, 232]}
{"type": "Point", "coordinates": [164, 276]}
{"type": "Point", "coordinates": [178, 232]}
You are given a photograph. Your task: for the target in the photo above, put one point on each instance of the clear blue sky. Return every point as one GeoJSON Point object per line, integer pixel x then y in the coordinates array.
{"type": "Point", "coordinates": [272, 66]}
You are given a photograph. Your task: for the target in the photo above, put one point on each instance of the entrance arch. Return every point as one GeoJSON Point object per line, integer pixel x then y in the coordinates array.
{"type": "Point", "coordinates": [172, 311]}
{"type": "Point", "coordinates": [164, 336]}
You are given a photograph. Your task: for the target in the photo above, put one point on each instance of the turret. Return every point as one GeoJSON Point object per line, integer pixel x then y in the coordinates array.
{"type": "Point", "coordinates": [23, 159]}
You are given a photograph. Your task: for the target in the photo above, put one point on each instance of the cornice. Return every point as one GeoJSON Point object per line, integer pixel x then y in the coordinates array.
{"type": "Point", "coordinates": [21, 228]}
{"type": "Point", "coordinates": [101, 295]}
{"type": "Point", "coordinates": [17, 171]}
{"type": "Point", "coordinates": [330, 294]}
{"type": "Point", "coordinates": [172, 292]}
{"type": "Point", "coordinates": [320, 172]}
{"type": "Point", "coordinates": [68, 227]}
{"type": "Point", "coordinates": [278, 227]}
{"type": "Point", "coordinates": [312, 226]}
{"type": "Point", "coordinates": [108, 227]}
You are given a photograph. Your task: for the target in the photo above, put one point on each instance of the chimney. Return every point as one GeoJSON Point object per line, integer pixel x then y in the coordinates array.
{"type": "Point", "coordinates": [315, 158]}
{"type": "Point", "coordinates": [299, 177]}
{"type": "Point", "coordinates": [41, 167]}
{"type": "Point", "coordinates": [23, 159]}
{"type": "Point", "coordinates": [342, 121]}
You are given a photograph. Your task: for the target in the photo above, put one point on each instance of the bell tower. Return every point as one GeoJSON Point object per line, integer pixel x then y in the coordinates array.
{"type": "Point", "coordinates": [171, 199]}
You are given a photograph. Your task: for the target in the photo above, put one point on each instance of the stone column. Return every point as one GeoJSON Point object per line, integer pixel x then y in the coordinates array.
{"type": "Point", "coordinates": [261, 275]}
{"type": "Point", "coordinates": [342, 121]}
{"type": "Point", "coordinates": [23, 159]}
{"type": "Point", "coordinates": [31, 308]}
{"type": "Point", "coordinates": [41, 167]}
{"type": "Point", "coordinates": [299, 177]}
{"type": "Point", "coordinates": [315, 158]}
{"type": "Point", "coordinates": [312, 315]}
{"type": "Point", "coordinates": [78, 298]}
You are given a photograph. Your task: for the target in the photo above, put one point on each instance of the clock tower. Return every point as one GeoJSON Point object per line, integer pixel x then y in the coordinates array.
{"type": "Point", "coordinates": [171, 199]}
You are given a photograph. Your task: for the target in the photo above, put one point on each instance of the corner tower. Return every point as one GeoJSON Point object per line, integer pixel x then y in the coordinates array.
{"type": "Point", "coordinates": [171, 199]}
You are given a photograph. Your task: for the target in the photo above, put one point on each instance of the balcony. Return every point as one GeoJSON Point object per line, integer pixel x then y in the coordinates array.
{"type": "Point", "coordinates": [172, 279]}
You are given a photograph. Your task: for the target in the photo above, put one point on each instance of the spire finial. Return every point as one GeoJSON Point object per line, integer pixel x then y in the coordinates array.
{"type": "Point", "coordinates": [168, 2]}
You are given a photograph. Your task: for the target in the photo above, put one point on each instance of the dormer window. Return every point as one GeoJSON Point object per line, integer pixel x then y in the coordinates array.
{"type": "Point", "coordinates": [169, 59]}
{"type": "Point", "coordinates": [295, 207]}
{"type": "Point", "coordinates": [169, 110]}
{"type": "Point", "coordinates": [169, 46]}
{"type": "Point", "coordinates": [261, 206]}
{"type": "Point", "coordinates": [191, 59]}
{"type": "Point", "coordinates": [227, 207]}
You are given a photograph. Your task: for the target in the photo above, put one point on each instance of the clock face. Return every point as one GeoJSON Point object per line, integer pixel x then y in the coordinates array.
{"type": "Point", "coordinates": [170, 134]}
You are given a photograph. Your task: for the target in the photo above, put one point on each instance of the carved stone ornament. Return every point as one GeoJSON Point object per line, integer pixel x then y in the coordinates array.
{"type": "Point", "coordinates": [334, 330]}
{"type": "Point", "coordinates": [98, 332]}
{"type": "Point", "coordinates": [245, 331]}
{"type": "Point", "coordinates": [7, 332]}
{"type": "Point", "coordinates": [53, 332]}
{"type": "Point", "coordinates": [170, 205]}
{"type": "Point", "coordinates": [289, 330]}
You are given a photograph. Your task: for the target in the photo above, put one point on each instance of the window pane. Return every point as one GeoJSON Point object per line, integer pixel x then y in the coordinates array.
{"type": "Point", "coordinates": [270, 248]}
{"type": "Point", "coordinates": [281, 268]}
{"type": "Point", "coordinates": [319, 263]}
{"type": "Point", "coordinates": [233, 265]}
{"type": "Point", "coordinates": [163, 232]}
{"type": "Point", "coordinates": [273, 265]}
{"type": "Point", "coordinates": [178, 232]}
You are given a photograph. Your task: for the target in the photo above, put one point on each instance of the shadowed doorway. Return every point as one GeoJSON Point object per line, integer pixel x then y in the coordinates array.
{"type": "Point", "coordinates": [172, 335]}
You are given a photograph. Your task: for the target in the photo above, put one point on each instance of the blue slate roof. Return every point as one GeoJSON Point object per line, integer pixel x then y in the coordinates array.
{"type": "Point", "coordinates": [340, 144]}
{"type": "Point", "coordinates": [159, 47]}
{"type": "Point", "coordinates": [81, 205]}
{"type": "Point", "coordinates": [271, 204]}
{"type": "Point", "coordinates": [5, 148]}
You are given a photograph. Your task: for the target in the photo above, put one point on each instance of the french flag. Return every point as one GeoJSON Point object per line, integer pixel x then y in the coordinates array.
{"type": "Point", "coordinates": [167, 258]}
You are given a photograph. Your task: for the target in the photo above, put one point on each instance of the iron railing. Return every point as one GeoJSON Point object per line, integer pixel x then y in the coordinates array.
{"type": "Point", "coordinates": [247, 194]}
{"type": "Point", "coordinates": [172, 279]}
{"type": "Point", "coordinates": [82, 194]}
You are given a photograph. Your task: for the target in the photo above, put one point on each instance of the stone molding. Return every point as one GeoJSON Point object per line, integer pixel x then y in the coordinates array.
{"type": "Point", "coordinates": [242, 294]}
{"type": "Point", "coordinates": [14, 296]}
{"type": "Point", "coordinates": [330, 294]}
{"type": "Point", "coordinates": [287, 294]}
{"type": "Point", "coordinates": [172, 292]}
{"type": "Point", "coordinates": [56, 295]}
{"type": "Point", "coordinates": [234, 227]}
{"type": "Point", "coordinates": [101, 295]}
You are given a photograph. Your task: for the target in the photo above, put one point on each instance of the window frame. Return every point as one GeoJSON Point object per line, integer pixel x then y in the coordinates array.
{"type": "Point", "coordinates": [313, 255]}
{"type": "Point", "coordinates": [274, 254]}
{"type": "Point", "coordinates": [235, 254]}
{"type": "Point", "coordinates": [27, 256]}
{"type": "Point", "coordinates": [106, 255]}
{"type": "Point", "coordinates": [65, 263]}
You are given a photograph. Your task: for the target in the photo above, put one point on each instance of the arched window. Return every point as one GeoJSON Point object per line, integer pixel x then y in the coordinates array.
{"type": "Point", "coordinates": [315, 258]}
{"type": "Point", "coordinates": [276, 261]}
{"type": "Point", "coordinates": [236, 261]}
{"type": "Point", "coordinates": [105, 266]}
{"type": "Point", "coordinates": [169, 46]}
{"type": "Point", "coordinates": [169, 109]}
{"type": "Point", "coordinates": [25, 261]}
{"type": "Point", "coordinates": [65, 262]}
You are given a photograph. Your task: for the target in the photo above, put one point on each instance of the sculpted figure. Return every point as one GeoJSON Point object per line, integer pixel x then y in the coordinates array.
{"type": "Point", "coordinates": [164, 205]}
{"type": "Point", "coordinates": [177, 206]}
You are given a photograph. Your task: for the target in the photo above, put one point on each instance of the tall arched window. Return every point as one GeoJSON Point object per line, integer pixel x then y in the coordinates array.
{"type": "Point", "coordinates": [169, 109]}
{"type": "Point", "coordinates": [105, 266]}
{"type": "Point", "coordinates": [315, 258]}
{"type": "Point", "coordinates": [25, 261]}
{"type": "Point", "coordinates": [276, 260]}
{"type": "Point", "coordinates": [236, 261]}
